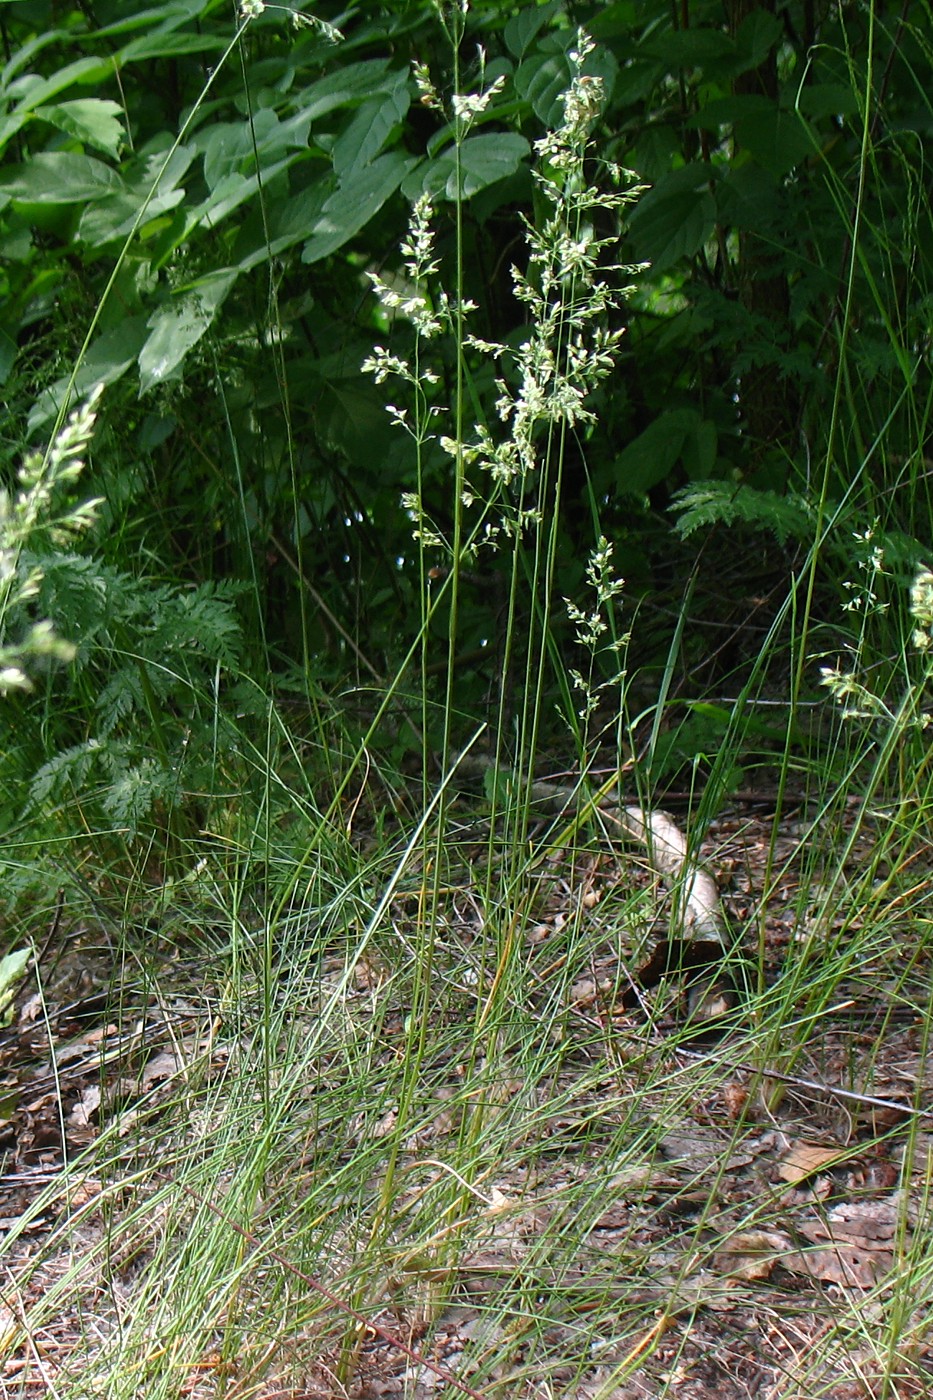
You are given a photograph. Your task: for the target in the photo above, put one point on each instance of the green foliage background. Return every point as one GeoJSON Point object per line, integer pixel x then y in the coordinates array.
{"type": "Point", "coordinates": [190, 200]}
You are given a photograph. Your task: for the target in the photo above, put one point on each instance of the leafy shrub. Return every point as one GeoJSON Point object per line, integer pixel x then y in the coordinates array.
{"type": "Point", "coordinates": [190, 207]}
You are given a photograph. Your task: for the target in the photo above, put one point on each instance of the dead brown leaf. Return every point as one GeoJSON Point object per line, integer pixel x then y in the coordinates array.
{"type": "Point", "coordinates": [158, 1067]}
{"type": "Point", "coordinates": [855, 1244]}
{"type": "Point", "coordinates": [803, 1159]}
{"type": "Point", "coordinates": [752, 1254]}
{"type": "Point", "coordinates": [86, 1107]}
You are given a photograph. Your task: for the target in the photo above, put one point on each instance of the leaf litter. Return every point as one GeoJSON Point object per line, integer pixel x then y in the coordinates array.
{"type": "Point", "coordinates": [715, 1261]}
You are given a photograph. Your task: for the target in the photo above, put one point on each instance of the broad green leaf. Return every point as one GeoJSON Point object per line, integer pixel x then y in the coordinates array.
{"type": "Point", "coordinates": [699, 450]}
{"type": "Point", "coordinates": [107, 359]}
{"type": "Point", "coordinates": [727, 111]}
{"type": "Point", "coordinates": [355, 83]}
{"type": "Point", "coordinates": [9, 126]}
{"type": "Point", "coordinates": [371, 128]}
{"type": "Point", "coordinates": [522, 28]}
{"type": "Point", "coordinates": [31, 91]}
{"type": "Point", "coordinates": [352, 417]}
{"type": "Point", "coordinates": [777, 140]}
{"type": "Point", "coordinates": [155, 429]}
{"type": "Point", "coordinates": [690, 48]}
{"type": "Point", "coordinates": [61, 177]}
{"type": "Point", "coordinates": [114, 217]}
{"type": "Point", "coordinates": [8, 351]}
{"type": "Point", "coordinates": [827, 100]}
{"type": "Point", "coordinates": [653, 454]}
{"type": "Point", "coordinates": [231, 147]}
{"type": "Point", "coordinates": [674, 219]}
{"type": "Point", "coordinates": [654, 152]}
{"type": "Point", "coordinates": [27, 52]}
{"type": "Point", "coordinates": [227, 144]}
{"type": "Point", "coordinates": [636, 81]}
{"type": "Point", "coordinates": [287, 224]}
{"type": "Point", "coordinates": [167, 16]}
{"type": "Point", "coordinates": [156, 186]}
{"type": "Point", "coordinates": [355, 202]}
{"type": "Point", "coordinates": [749, 197]}
{"type": "Point", "coordinates": [757, 34]}
{"type": "Point", "coordinates": [166, 44]}
{"type": "Point", "coordinates": [93, 120]}
{"type": "Point", "coordinates": [165, 165]}
{"type": "Point", "coordinates": [483, 160]}
{"type": "Point", "coordinates": [543, 78]}
{"type": "Point", "coordinates": [713, 53]}
{"type": "Point", "coordinates": [16, 246]}
{"type": "Point", "coordinates": [178, 326]}
{"type": "Point", "coordinates": [12, 971]}
{"type": "Point", "coordinates": [232, 191]}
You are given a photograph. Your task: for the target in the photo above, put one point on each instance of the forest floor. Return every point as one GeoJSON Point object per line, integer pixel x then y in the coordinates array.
{"type": "Point", "coordinates": [758, 1243]}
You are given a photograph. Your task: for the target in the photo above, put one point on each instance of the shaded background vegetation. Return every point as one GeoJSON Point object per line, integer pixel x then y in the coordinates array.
{"type": "Point", "coordinates": [189, 204]}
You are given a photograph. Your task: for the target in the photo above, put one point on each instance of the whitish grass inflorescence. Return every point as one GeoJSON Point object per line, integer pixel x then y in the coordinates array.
{"type": "Point", "coordinates": [590, 628]}
{"type": "Point", "coordinates": [25, 519]}
{"type": "Point", "coordinates": [856, 699]}
{"type": "Point", "coordinates": [569, 348]}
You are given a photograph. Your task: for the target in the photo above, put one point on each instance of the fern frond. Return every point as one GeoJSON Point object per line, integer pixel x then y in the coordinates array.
{"type": "Point", "coordinates": [63, 774]}
{"type": "Point", "coordinates": [709, 503]}
{"type": "Point", "coordinates": [131, 796]}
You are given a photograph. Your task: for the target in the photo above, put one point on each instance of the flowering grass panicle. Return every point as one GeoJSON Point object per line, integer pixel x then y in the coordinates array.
{"type": "Point", "coordinates": [542, 385]}
{"type": "Point", "coordinates": [856, 698]}
{"type": "Point", "coordinates": [28, 525]}
{"type": "Point", "coordinates": [591, 628]}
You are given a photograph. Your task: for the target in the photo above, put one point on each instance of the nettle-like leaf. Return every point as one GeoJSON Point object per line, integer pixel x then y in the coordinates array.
{"type": "Point", "coordinates": [545, 74]}
{"type": "Point", "coordinates": [679, 435]}
{"type": "Point", "coordinates": [675, 219]}
{"type": "Point", "coordinates": [94, 120]}
{"type": "Point", "coordinates": [61, 177]}
{"type": "Point", "coordinates": [483, 160]}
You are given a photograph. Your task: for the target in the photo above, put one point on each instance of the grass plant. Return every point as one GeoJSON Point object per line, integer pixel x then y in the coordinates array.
{"type": "Point", "coordinates": [366, 1060]}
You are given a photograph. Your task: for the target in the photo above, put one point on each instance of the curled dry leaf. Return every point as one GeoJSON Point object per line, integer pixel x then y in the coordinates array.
{"type": "Point", "coordinates": [803, 1159]}
{"type": "Point", "coordinates": [735, 1100]}
{"type": "Point", "coordinates": [86, 1108]}
{"type": "Point", "coordinates": [752, 1254]}
{"type": "Point", "coordinates": [874, 1176]}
